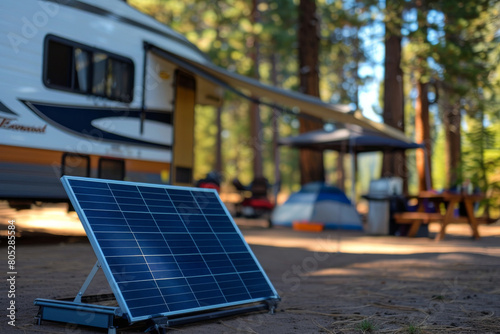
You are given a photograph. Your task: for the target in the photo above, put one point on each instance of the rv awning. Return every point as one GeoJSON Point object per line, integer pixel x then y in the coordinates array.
{"type": "Point", "coordinates": [307, 104]}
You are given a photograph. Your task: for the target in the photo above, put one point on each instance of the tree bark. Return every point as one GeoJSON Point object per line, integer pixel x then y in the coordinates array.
{"type": "Point", "coordinates": [255, 122]}
{"type": "Point", "coordinates": [452, 117]}
{"type": "Point", "coordinates": [311, 162]}
{"type": "Point", "coordinates": [275, 125]}
{"type": "Point", "coordinates": [422, 126]}
{"type": "Point", "coordinates": [422, 135]}
{"type": "Point", "coordinates": [451, 121]}
{"type": "Point", "coordinates": [394, 164]}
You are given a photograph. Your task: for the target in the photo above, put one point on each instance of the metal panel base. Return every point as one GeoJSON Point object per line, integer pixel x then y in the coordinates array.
{"type": "Point", "coordinates": [161, 324]}
{"type": "Point", "coordinates": [77, 313]}
{"type": "Point", "coordinates": [107, 316]}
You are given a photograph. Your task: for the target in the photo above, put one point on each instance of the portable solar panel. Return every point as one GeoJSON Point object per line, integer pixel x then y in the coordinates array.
{"type": "Point", "coordinates": [167, 250]}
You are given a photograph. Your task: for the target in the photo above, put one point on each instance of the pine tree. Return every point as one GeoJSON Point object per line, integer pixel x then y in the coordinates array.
{"type": "Point", "coordinates": [311, 162]}
{"type": "Point", "coordinates": [394, 164]}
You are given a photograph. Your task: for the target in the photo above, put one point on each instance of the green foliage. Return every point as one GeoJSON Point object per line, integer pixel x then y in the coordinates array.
{"type": "Point", "coordinates": [413, 329]}
{"type": "Point", "coordinates": [438, 161]}
{"type": "Point", "coordinates": [482, 165]}
{"type": "Point", "coordinates": [480, 99]}
{"type": "Point", "coordinates": [452, 43]}
{"type": "Point", "coordinates": [342, 51]}
{"type": "Point", "coordinates": [366, 326]}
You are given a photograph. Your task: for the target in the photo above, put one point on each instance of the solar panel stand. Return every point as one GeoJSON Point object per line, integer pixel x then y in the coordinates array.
{"type": "Point", "coordinates": [77, 312]}
{"type": "Point", "coordinates": [90, 277]}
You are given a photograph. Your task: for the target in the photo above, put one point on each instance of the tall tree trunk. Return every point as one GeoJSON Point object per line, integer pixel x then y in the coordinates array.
{"type": "Point", "coordinates": [218, 120]}
{"type": "Point", "coordinates": [275, 125]}
{"type": "Point", "coordinates": [452, 117]}
{"type": "Point", "coordinates": [422, 135]}
{"type": "Point", "coordinates": [356, 54]}
{"type": "Point", "coordinates": [422, 126]}
{"type": "Point", "coordinates": [394, 164]}
{"type": "Point", "coordinates": [311, 162]}
{"type": "Point", "coordinates": [255, 122]}
{"type": "Point", "coordinates": [451, 121]}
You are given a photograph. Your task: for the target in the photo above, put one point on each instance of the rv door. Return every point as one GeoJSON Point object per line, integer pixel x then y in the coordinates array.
{"type": "Point", "coordinates": [169, 97]}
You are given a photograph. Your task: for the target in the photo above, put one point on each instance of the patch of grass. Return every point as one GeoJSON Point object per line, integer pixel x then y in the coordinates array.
{"type": "Point", "coordinates": [437, 297]}
{"type": "Point", "coordinates": [366, 326]}
{"type": "Point", "coordinates": [413, 329]}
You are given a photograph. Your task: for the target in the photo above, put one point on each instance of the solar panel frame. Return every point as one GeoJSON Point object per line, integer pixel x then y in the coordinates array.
{"type": "Point", "coordinates": [103, 260]}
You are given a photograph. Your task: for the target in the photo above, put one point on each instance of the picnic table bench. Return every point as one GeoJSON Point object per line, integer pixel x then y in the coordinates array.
{"type": "Point", "coordinates": [450, 200]}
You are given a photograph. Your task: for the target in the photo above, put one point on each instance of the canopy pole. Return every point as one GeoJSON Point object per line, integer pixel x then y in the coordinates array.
{"type": "Point", "coordinates": [353, 172]}
{"type": "Point", "coordinates": [275, 127]}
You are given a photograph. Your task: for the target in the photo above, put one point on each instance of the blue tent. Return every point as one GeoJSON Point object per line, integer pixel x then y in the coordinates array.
{"type": "Point", "coordinates": [318, 203]}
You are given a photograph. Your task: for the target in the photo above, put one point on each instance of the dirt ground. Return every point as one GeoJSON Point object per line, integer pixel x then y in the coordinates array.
{"type": "Point", "coordinates": [329, 282]}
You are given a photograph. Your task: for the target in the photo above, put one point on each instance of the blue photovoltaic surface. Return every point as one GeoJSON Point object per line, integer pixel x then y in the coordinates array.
{"type": "Point", "coordinates": [167, 250]}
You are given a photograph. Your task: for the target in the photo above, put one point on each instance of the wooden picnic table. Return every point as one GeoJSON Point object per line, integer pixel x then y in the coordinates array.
{"type": "Point", "coordinates": [450, 201]}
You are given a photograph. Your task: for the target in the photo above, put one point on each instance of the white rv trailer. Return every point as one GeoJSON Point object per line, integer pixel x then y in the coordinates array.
{"type": "Point", "coordinates": [83, 93]}
{"type": "Point", "coordinates": [96, 88]}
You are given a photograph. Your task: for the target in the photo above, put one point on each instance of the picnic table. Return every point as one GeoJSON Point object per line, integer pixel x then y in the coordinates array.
{"type": "Point", "coordinates": [449, 200]}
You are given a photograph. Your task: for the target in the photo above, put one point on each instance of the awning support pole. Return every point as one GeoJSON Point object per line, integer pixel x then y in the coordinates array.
{"type": "Point", "coordinates": [353, 172]}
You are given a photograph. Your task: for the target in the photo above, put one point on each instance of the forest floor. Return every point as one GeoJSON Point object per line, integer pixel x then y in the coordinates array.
{"type": "Point", "coordinates": [329, 282]}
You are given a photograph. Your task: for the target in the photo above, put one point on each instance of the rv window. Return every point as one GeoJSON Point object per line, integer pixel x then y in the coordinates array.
{"type": "Point", "coordinates": [119, 80]}
{"type": "Point", "coordinates": [99, 74]}
{"type": "Point", "coordinates": [111, 169]}
{"type": "Point", "coordinates": [82, 62]}
{"type": "Point", "coordinates": [59, 65]}
{"type": "Point", "coordinates": [82, 69]}
{"type": "Point", "coordinates": [75, 164]}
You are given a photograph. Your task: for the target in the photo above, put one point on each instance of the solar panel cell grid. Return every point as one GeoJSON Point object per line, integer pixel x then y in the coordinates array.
{"type": "Point", "coordinates": [168, 250]}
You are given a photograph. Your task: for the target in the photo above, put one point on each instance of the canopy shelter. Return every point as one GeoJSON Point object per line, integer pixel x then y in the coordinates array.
{"type": "Point", "coordinates": [355, 138]}
{"type": "Point", "coordinates": [352, 139]}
